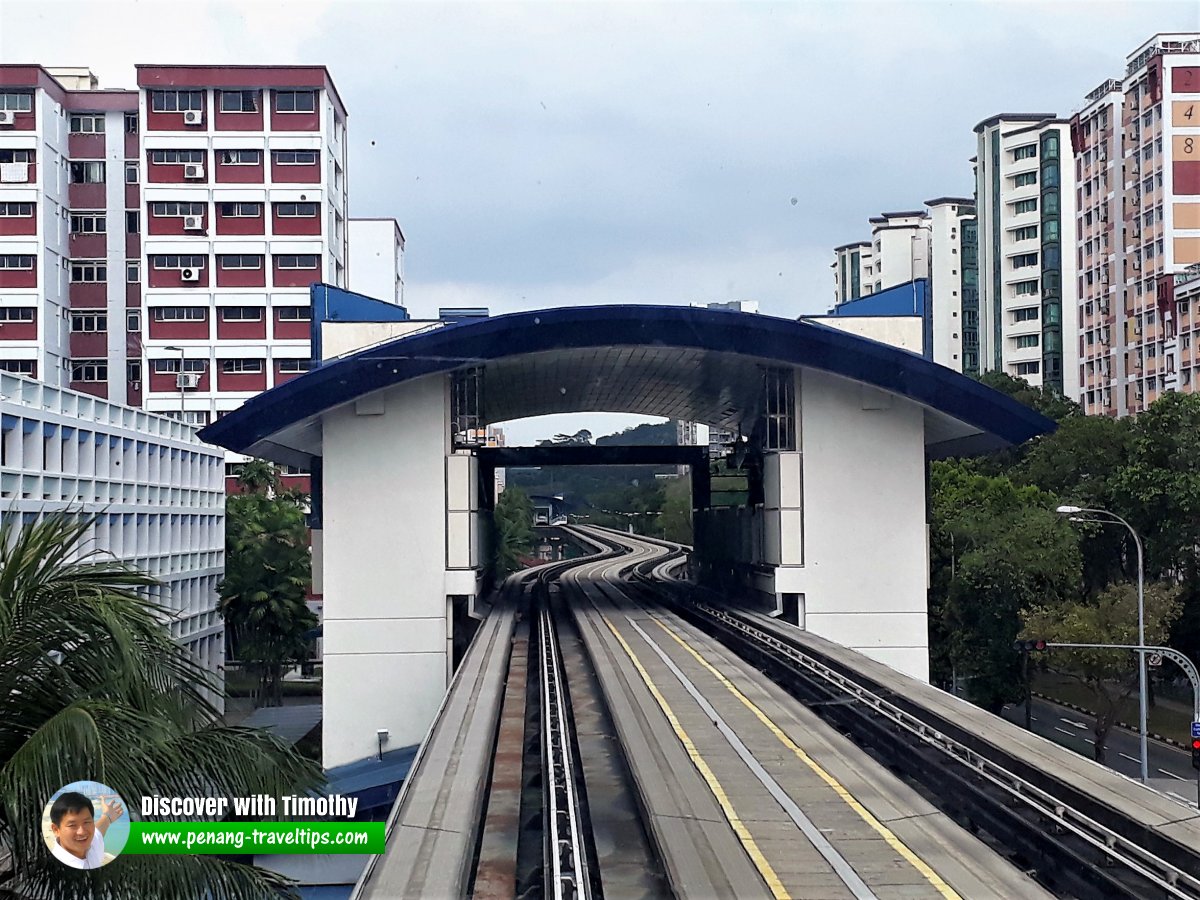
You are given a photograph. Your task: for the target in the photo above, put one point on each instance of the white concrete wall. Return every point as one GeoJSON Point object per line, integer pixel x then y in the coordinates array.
{"type": "Point", "coordinates": [384, 568]}
{"type": "Point", "coordinates": [905, 332]}
{"type": "Point", "coordinates": [865, 567]}
{"type": "Point", "coordinates": [376, 255]}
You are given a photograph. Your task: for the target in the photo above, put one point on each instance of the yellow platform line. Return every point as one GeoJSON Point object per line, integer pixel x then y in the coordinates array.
{"type": "Point", "coordinates": [747, 840]}
{"type": "Point", "coordinates": [867, 816]}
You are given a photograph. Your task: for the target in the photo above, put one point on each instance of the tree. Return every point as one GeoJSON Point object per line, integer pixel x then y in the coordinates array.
{"type": "Point", "coordinates": [93, 687]}
{"type": "Point", "coordinates": [677, 510]}
{"type": "Point", "coordinates": [1110, 618]}
{"type": "Point", "coordinates": [997, 548]}
{"type": "Point", "coordinates": [268, 570]}
{"type": "Point", "coordinates": [513, 520]}
{"type": "Point", "coordinates": [1050, 404]}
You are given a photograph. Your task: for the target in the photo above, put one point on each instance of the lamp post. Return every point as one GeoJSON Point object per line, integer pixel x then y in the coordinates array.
{"type": "Point", "coordinates": [179, 384]}
{"type": "Point", "coordinates": [1083, 514]}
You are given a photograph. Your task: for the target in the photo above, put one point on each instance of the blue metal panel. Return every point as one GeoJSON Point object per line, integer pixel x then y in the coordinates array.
{"type": "Point", "coordinates": [702, 338]}
{"type": "Point", "coordinates": [333, 304]}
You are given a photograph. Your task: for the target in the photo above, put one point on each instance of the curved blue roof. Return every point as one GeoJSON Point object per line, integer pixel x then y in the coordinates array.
{"type": "Point", "coordinates": [679, 362]}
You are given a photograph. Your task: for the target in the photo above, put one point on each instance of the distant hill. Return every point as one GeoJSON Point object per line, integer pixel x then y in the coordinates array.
{"type": "Point", "coordinates": [646, 435]}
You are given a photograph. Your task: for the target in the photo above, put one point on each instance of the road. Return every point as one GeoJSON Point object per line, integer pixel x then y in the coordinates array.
{"type": "Point", "coordinates": [1170, 768]}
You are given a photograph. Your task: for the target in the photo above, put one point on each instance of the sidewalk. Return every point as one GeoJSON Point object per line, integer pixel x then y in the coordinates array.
{"type": "Point", "coordinates": [1170, 720]}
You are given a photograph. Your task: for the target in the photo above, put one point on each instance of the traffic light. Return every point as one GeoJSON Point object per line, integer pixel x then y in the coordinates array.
{"type": "Point", "coordinates": [1029, 645]}
{"type": "Point", "coordinates": [1196, 753]}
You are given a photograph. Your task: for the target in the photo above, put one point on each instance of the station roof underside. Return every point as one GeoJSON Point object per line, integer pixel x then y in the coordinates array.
{"type": "Point", "coordinates": [683, 363]}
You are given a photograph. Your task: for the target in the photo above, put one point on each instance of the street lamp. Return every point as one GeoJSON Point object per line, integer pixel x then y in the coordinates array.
{"type": "Point", "coordinates": [179, 384]}
{"type": "Point", "coordinates": [1083, 514]}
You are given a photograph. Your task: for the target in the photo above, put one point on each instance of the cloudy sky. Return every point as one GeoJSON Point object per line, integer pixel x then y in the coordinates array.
{"type": "Point", "coordinates": [545, 154]}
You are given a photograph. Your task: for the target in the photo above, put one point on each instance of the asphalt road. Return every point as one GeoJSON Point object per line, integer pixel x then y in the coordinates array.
{"type": "Point", "coordinates": [1170, 768]}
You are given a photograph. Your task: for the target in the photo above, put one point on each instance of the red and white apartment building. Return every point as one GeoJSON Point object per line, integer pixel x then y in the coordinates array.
{"type": "Point", "coordinates": [157, 245]}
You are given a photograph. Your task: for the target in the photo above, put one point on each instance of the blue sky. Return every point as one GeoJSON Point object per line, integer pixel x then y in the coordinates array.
{"type": "Point", "coordinates": [575, 153]}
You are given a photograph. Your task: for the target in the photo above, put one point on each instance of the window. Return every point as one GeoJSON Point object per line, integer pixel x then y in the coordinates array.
{"type": "Point", "coordinates": [176, 101]}
{"type": "Point", "coordinates": [1028, 314]}
{"type": "Point", "coordinates": [1029, 151]}
{"type": "Point", "coordinates": [1025, 341]}
{"type": "Point", "coordinates": [1025, 206]}
{"type": "Point", "coordinates": [290, 366]}
{"type": "Point", "coordinates": [89, 271]}
{"type": "Point", "coordinates": [240, 210]}
{"type": "Point", "coordinates": [87, 173]}
{"type": "Point", "coordinates": [1025, 179]}
{"type": "Point", "coordinates": [179, 314]}
{"type": "Point", "coordinates": [88, 322]}
{"type": "Point", "coordinates": [131, 171]}
{"type": "Point", "coordinates": [16, 262]}
{"type": "Point", "coordinates": [176, 157]}
{"type": "Point", "coordinates": [295, 101]}
{"type": "Point", "coordinates": [17, 366]}
{"type": "Point", "coordinates": [133, 371]}
{"type": "Point", "coordinates": [1023, 260]}
{"type": "Point", "coordinates": [172, 209]}
{"type": "Point", "coordinates": [241, 366]}
{"type": "Point", "coordinates": [239, 101]}
{"type": "Point", "coordinates": [16, 313]}
{"type": "Point", "coordinates": [233, 261]}
{"type": "Point", "coordinates": [171, 366]}
{"type": "Point", "coordinates": [133, 320]}
{"type": "Point", "coordinates": [1029, 368]}
{"type": "Point", "coordinates": [131, 123]}
{"type": "Point", "coordinates": [296, 157]}
{"type": "Point", "coordinates": [240, 157]}
{"type": "Point", "coordinates": [241, 314]}
{"type": "Point", "coordinates": [295, 314]}
{"type": "Point", "coordinates": [87, 124]}
{"type": "Point", "coordinates": [133, 221]}
{"type": "Point", "coordinates": [178, 262]}
{"type": "Point", "coordinates": [16, 210]}
{"type": "Point", "coordinates": [133, 271]}
{"type": "Point", "coordinates": [296, 262]}
{"type": "Point", "coordinates": [16, 101]}
{"type": "Point", "coordinates": [88, 223]}
{"type": "Point", "coordinates": [15, 156]}
{"type": "Point", "coordinates": [1026, 287]}
{"type": "Point", "coordinates": [295, 210]}
{"type": "Point", "coordinates": [1028, 233]}
{"type": "Point", "coordinates": [89, 370]}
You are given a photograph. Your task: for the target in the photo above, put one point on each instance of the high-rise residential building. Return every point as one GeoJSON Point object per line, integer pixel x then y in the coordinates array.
{"type": "Point", "coordinates": [1025, 206]}
{"type": "Point", "coordinates": [920, 258]}
{"type": "Point", "coordinates": [1137, 162]}
{"type": "Point", "coordinates": [157, 245]}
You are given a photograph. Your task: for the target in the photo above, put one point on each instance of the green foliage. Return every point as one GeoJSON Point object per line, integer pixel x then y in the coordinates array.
{"type": "Point", "coordinates": [513, 522]}
{"type": "Point", "coordinates": [94, 688]}
{"type": "Point", "coordinates": [677, 510]}
{"type": "Point", "coordinates": [1044, 400]}
{"type": "Point", "coordinates": [268, 569]}
{"type": "Point", "coordinates": [1109, 618]}
{"type": "Point", "coordinates": [998, 548]}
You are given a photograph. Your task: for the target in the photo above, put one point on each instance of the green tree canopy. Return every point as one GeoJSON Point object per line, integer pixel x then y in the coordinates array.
{"type": "Point", "coordinates": [94, 688]}
{"type": "Point", "coordinates": [513, 529]}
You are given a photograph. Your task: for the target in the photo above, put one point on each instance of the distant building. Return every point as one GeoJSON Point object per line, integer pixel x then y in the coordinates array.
{"type": "Point", "coordinates": [746, 306]}
{"type": "Point", "coordinates": [156, 491]}
{"type": "Point", "coordinates": [377, 259]}
{"type": "Point", "coordinates": [1026, 199]}
{"type": "Point", "coordinates": [1137, 163]}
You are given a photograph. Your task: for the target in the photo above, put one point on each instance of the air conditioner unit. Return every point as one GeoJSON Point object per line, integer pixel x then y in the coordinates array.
{"type": "Point", "coordinates": [185, 380]}
{"type": "Point", "coordinates": [193, 223]}
{"type": "Point", "coordinates": [189, 275]}
{"type": "Point", "coordinates": [193, 170]}
{"type": "Point", "coordinates": [193, 117]}
{"type": "Point", "coordinates": [7, 117]}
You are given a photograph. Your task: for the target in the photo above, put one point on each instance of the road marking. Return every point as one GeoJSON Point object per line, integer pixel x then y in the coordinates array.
{"type": "Point", "coordinates": [1076, 724]}
{"type": "Point", "coordinates": [1172, 775]}
{"type": "Point", "coordinates": [1064, 731]}
{"type": "Point", "coordinates": [747, 840]}
{"type": "Point", "coordinates": [1130, 758]}
{"type": "Point", "coordinates": [867, 816]}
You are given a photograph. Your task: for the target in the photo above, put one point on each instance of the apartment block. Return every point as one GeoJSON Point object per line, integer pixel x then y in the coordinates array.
{"type": "Point", "coordinates": [1025, 204]}
{"type": "Point", "coordinates": [156, 492]}
{"type": "Point", "coordinates": [157, 245]}
{"type": "Point", "coordinates": [378, 249]}
{"type": "Point", "coordinates": [1137, 162]}
{"type": "Point", "coordinates": [930, 253]}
